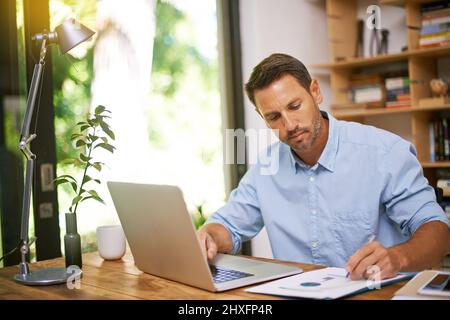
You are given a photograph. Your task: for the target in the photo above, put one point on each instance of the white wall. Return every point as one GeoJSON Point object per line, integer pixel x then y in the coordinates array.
{"type": "Point", "coordinates": [298, 28]}
{"type": "Point", "coordinates": [295, 27]}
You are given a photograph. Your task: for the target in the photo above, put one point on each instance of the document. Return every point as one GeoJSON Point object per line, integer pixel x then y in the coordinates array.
{"type": "Point", "coordinates": [327, 283]}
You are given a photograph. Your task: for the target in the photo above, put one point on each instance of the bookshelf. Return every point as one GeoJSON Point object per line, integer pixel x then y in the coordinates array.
{"type": "Point", "coordinates": [421, 66]}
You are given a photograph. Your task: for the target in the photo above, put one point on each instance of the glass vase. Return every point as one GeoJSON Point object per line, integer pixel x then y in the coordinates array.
{"type": "Point", "coordinates": [72, 242]}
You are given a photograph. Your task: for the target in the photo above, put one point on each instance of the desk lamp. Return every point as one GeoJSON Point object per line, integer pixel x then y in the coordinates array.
{"type": "Point", "coordinates": [67, 36]}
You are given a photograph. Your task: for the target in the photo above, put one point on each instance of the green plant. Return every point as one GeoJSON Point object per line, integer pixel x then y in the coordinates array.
{"type": "Point", "coordinates": [198, 217]}
{"type": "Point", "coordinates": [91, 135]}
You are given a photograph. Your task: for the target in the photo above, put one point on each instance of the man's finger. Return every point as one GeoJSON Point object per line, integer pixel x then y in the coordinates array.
{"type": "Point", "coordinates": [202, 239]}
{"type": "Point", "coordinates": [211, 248]}
{"type": "Point", "coordinates": [386, 270]}
{"type": "Point", "coordinates": [360, 254]}
{"type": "Point", "coordinates": [363, 266]}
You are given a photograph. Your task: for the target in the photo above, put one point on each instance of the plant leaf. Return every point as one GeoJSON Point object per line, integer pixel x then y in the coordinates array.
{"type": "Point", "coordinates": [96, 196]}
{"type": "Point", "coordinates": [66, 176]}
{"type": "Point", "coordinates": [86, 179]}
{"type": "Point", "coordinates": [68, 161]}
{"type": "Point", "coordinates": [76, 200]}
{"type": "Point", "coordinates": [99, 109]}
{"type": "Point", "coordinates": [99, 199]}
{"type": "Point", "coordinates": [81, 123]}
{"type": "Point", "coordinates": [106, 146]}
{"type": "Point", "coordinates": [78, 163]}
{"type": "Point", "coordinates": [87, 198]}
{"type": "Point", "coordinates": [84, 157]}
{"type": "Point", "coordinates": [97, 165]}
{"type": "Point", "coordinates": [76, 135]}
{"type": "Point", "coordinates": [60, 181]}
{"type": "Point", "coordinates": [80, 143]}
{"type": "Point", "coordinates": [84, 127]}
{"type": "Point", "coordinates": [93, 138]}
{"type": "Point", "coordinates": [107, 130]}
{"type": "Point", "coordinates": [94, 193]}
{"type": "Point", "coordinates": [93, 123]}
{"type": "Point", "coordinates": [74, 186]}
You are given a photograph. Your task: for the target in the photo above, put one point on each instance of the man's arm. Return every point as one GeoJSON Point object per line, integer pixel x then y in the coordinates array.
{"type": "Point", "coordinates": [425, 249]}
{"type": "Point", "coordinates": [214, 238]}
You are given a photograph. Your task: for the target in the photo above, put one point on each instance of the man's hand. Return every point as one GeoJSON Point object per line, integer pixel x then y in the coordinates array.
{"type": "Point", "coordinates": [374, 261]}
{"type": "Point", "coordinates": [209, 246]}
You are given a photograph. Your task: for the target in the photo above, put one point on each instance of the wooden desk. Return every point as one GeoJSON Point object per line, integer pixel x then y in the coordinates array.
{"type": "Point", "coordinates": [122, 280]}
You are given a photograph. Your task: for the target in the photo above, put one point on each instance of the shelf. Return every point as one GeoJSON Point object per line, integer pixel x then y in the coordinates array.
{"type": "Point", "coordinates": [355, 113]}
{"type": "Point", "coordinates": [385, 58]}
{"type": "Point", "coordinates": [401, 3]}
{"type": "Point", "coordinates": [440, 164]}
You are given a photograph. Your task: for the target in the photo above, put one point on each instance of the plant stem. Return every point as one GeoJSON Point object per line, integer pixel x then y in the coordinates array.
{"type": "Point", "coordinates": [84, 174]}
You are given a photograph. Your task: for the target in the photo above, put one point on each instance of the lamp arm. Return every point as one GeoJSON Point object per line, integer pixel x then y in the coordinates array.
{"type": "Point", "coordinates": [34, 89]}
{"type": "Point", "coordinates": [25, 140]}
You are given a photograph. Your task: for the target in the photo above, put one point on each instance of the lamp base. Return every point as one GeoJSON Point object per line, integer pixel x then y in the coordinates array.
{"type": "Point", "coordinates": [46, 277]}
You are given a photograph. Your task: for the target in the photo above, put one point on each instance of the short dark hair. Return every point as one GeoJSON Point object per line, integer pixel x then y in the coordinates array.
{"type": "Point", "coordinates": [273, 68]}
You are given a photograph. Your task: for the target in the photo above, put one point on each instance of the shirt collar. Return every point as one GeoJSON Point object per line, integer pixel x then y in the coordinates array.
{"type": "Point", "coordinates": [328, 156]}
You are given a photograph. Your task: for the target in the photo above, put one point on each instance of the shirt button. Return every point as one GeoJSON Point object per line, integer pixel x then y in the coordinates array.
{"type": "Point", "coordinates": [314, 244]}
{"type": "Point", "coordinates": [311, 179]}
{"type": "Point", "coordinates": [313, 211]}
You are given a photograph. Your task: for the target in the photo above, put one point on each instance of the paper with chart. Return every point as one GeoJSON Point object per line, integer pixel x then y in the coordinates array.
{"type": "Point", "coordinates": [327, 283]}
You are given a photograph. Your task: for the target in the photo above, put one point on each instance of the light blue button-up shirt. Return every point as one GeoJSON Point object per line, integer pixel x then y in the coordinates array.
{"type": "Point", "coordinates": [367, 182]}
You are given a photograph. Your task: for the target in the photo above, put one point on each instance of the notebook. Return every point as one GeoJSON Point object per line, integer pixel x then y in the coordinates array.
{"type": "Point", "coordinates": [327, 283]}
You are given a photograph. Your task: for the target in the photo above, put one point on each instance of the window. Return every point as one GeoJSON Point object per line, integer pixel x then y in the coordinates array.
{"type": "Point", "coordinates": [154, 64]}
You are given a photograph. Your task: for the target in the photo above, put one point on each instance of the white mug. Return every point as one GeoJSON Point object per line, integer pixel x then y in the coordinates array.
{"type": "Point", "coordinates": [111, 242]}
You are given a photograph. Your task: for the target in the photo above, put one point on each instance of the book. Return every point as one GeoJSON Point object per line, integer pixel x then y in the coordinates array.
{"type": "Point", "coordinates": [435, 45]}
{"type": "Point", "coordinates": [441, 140]}
{"type": "Point", "coordinates": [435, 28]}
{"type": "Point", "coordinates": [433, 6]}
{"type": "Point", "coordinates": [365, 79]}
{"type": "Point", "coordinates": [369, 94]}
{"type": "Point", "coordinates": [397, 83]}
{"type": "Point", "coordinates": [444, 19]}
{"type": "Point", "coordinates": [443, 183]}
{"type": "Point", "coordinates": [327, 283]}
{"type": "Point", "coordinates": [403, 97]}
{"type": "Point", "coordinates": [436, 13]}
{"type": "Point", "coordinates": [392, 95]}
{"type": "Point", "coordinates": [434, 39]}
{"type": "Point", "coordinates": [436, 137]}
{"type": "Point", "coordinates": [431, 141]}
{"type": "Point", "coordinates": [446, 141]}
{"type": "Point", "coordinates": [445, 33]}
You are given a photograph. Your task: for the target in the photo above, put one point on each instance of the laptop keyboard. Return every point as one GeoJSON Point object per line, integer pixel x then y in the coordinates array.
{"type": "Point", "coordinates": [222, 275]}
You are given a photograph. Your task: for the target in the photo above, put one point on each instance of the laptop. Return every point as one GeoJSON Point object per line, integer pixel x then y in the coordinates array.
{"type": "Point", "coordinates": [164, 242]}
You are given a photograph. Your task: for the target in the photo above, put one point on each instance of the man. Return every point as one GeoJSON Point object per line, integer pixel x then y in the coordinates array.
{"type": "Point", "coordinates": [339, 185]}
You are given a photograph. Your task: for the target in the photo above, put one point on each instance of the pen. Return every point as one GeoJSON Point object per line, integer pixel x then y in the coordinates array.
{"type": "Point", "coordinates": [371, 238]}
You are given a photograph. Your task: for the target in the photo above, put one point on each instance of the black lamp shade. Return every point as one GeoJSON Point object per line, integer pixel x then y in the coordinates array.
{"type": "Point", "coordinates": [71, 33]}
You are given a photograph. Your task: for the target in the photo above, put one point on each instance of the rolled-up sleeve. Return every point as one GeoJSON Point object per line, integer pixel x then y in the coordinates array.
{"type": "Point", "coordinates": [241, 215]}
{"type": "Point", "coordinates": [408, 198]}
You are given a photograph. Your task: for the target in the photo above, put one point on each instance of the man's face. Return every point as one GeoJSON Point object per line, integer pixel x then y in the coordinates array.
{"type": "Point", "coordinates": [287, 106]}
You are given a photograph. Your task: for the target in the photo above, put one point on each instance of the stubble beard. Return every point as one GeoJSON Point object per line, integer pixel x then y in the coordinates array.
{"type": "Point", "coordinates": [317, 126]}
